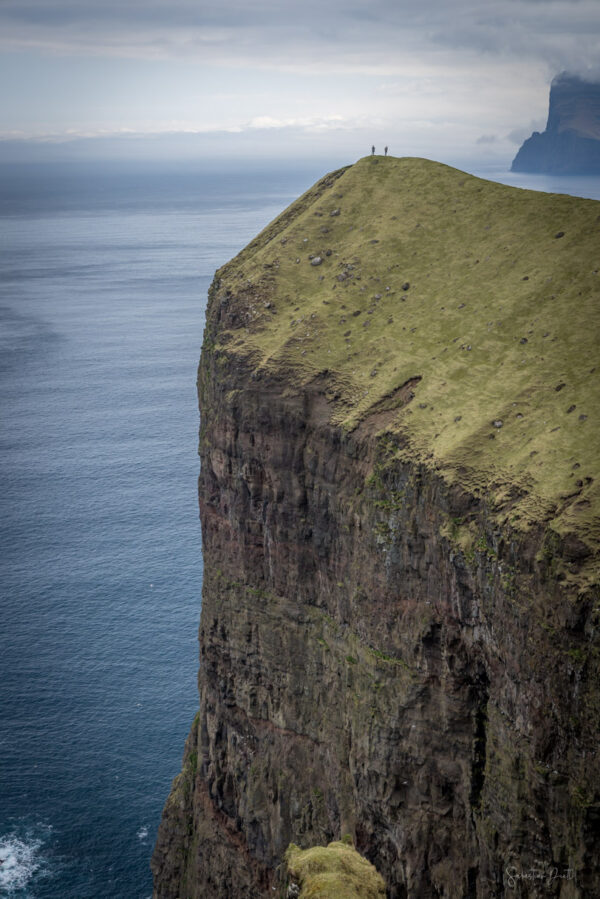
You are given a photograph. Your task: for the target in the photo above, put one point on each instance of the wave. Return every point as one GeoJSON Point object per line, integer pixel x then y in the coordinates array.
{"type": "Point", "coordinates": [22, 859]}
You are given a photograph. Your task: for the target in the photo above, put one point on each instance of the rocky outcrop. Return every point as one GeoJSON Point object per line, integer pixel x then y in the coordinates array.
{"type": "Point", "coordinates": [570, 145]}
{"type": "Point", "coordinates": [388, 651]}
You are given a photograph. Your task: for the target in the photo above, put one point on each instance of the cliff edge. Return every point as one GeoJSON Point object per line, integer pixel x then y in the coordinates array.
{"type": "Point", "coordinates": [399, 499]}
{"type": "Point", "coordinates": [570, 145]}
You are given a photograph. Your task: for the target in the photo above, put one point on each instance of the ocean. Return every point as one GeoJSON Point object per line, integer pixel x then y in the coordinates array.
{"type": "Point", "coordinates": [104, 271]}
{"type": "Point", "coordinates": [103, 280]}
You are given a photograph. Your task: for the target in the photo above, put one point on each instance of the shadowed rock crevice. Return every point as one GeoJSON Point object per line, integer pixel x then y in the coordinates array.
{"type": "Point", "coordinates": [479, 742]}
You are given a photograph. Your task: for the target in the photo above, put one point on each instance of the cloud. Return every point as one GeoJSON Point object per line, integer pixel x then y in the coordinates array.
{"type": "Point", "coordinates": [308, 123]}
{"type": "Point", "coordinates": [427, 76]}
{"type": "Point", "coordinates": [562, 34]}
{"type": "Point", "coordinates": [338, 35]}
{"type": "Point", "coordinates": [294, 125]}
{"type": "Point", "coordinates": [518, 135]}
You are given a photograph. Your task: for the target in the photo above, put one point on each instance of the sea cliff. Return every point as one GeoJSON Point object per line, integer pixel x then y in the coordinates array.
{"type": "Point", "coordinates": [399, 502]}
{"type": "Point", "coordinates": [570, 145]}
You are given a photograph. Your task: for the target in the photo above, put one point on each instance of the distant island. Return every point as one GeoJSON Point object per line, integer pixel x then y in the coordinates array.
{"type": "Point", "coordinates": [570, 145]}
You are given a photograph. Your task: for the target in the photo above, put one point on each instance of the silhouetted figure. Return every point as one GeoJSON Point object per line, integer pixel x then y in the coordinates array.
{"type": "Point", "coordinates": [373, 150]}
{"type": "Point", "coordinates": [385, 151]}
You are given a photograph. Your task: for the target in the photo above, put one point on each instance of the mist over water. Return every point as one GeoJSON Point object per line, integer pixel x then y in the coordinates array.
{"type": "Point", "coordinates": [587, 186]}
{"type": "Point", "coordinates": [104, 272]}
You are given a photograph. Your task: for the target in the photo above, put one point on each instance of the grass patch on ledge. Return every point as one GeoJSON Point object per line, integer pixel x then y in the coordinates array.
{"type": "Point", "coordinates": [489, 294]}
{"type": "Point", "coordinates": [336, 871]}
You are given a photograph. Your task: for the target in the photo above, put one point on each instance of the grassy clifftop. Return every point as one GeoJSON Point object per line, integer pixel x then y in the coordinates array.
{"type": "Point", "coordinates": [466, 309]}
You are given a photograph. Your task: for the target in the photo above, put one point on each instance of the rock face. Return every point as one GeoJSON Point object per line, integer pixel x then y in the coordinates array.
{"type": "Point", "coordinates": [570, 145]}
{"type": "Point", "coordinates": [399, 629]}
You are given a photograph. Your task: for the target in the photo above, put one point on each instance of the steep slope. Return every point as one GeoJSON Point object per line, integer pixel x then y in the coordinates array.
{"type": "Point", "coordinates": [399, 502]}
{"type": "Point", "coordinates": [570, 145]}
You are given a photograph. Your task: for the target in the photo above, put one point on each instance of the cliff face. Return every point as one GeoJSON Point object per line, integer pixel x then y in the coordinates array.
{"type": "Point", "coordinates": [570, 145]}
{"type": "Point", "coordinates": [399, 630]}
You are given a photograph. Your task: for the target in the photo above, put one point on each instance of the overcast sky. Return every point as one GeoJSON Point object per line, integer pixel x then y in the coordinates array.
{"type": "Point", "coordinates": [449, 79]}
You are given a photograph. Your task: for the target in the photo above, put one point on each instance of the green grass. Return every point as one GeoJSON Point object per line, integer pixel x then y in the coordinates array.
{"type": "Point", "coordinates": [499, 313]}
{"type": "Point", "coordinates": [334, 872]}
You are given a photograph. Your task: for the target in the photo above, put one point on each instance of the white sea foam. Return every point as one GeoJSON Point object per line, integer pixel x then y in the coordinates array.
{"type": "Point", "coordinates": [142, 834]}
{"type": "Point", "coordinates": [21, 858]}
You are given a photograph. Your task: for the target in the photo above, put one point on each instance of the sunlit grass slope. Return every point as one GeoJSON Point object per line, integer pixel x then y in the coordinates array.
{"type": "Point", "coordinates": [490, 295]}
{"type": "Point", "coordinates": [335, 871]}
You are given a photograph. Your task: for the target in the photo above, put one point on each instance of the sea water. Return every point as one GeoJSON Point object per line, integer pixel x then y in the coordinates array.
{"type": "Point", "coordinates": [104, 272]}
{"type": "Point", "coordinates": [103, 280]}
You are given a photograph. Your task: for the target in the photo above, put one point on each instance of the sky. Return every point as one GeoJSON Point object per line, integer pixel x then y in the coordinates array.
{"type": "Point", "coordinates": [446, 79]}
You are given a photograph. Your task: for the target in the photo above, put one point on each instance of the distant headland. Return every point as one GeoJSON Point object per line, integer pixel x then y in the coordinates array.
{"type": "Point", "coordinates": [570, 145]}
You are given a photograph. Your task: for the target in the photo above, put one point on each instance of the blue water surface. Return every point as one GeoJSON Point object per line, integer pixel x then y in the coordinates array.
{"type": "Point", "coordinates": [104, 271]}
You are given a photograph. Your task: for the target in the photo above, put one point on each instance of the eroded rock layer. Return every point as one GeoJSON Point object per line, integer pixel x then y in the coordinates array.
{"type": "Point", "coordinates": [383, 655]}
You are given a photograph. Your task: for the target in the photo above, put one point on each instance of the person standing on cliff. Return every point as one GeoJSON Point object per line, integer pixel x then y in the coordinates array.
{"type": "Point", "coordinates": [385, 152]}
{"type": "Point", "coordinates": [373, 150]}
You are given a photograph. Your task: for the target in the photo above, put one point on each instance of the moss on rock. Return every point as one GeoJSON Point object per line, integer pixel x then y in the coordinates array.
{"type": "Point", "coordinates": [336, 871]}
